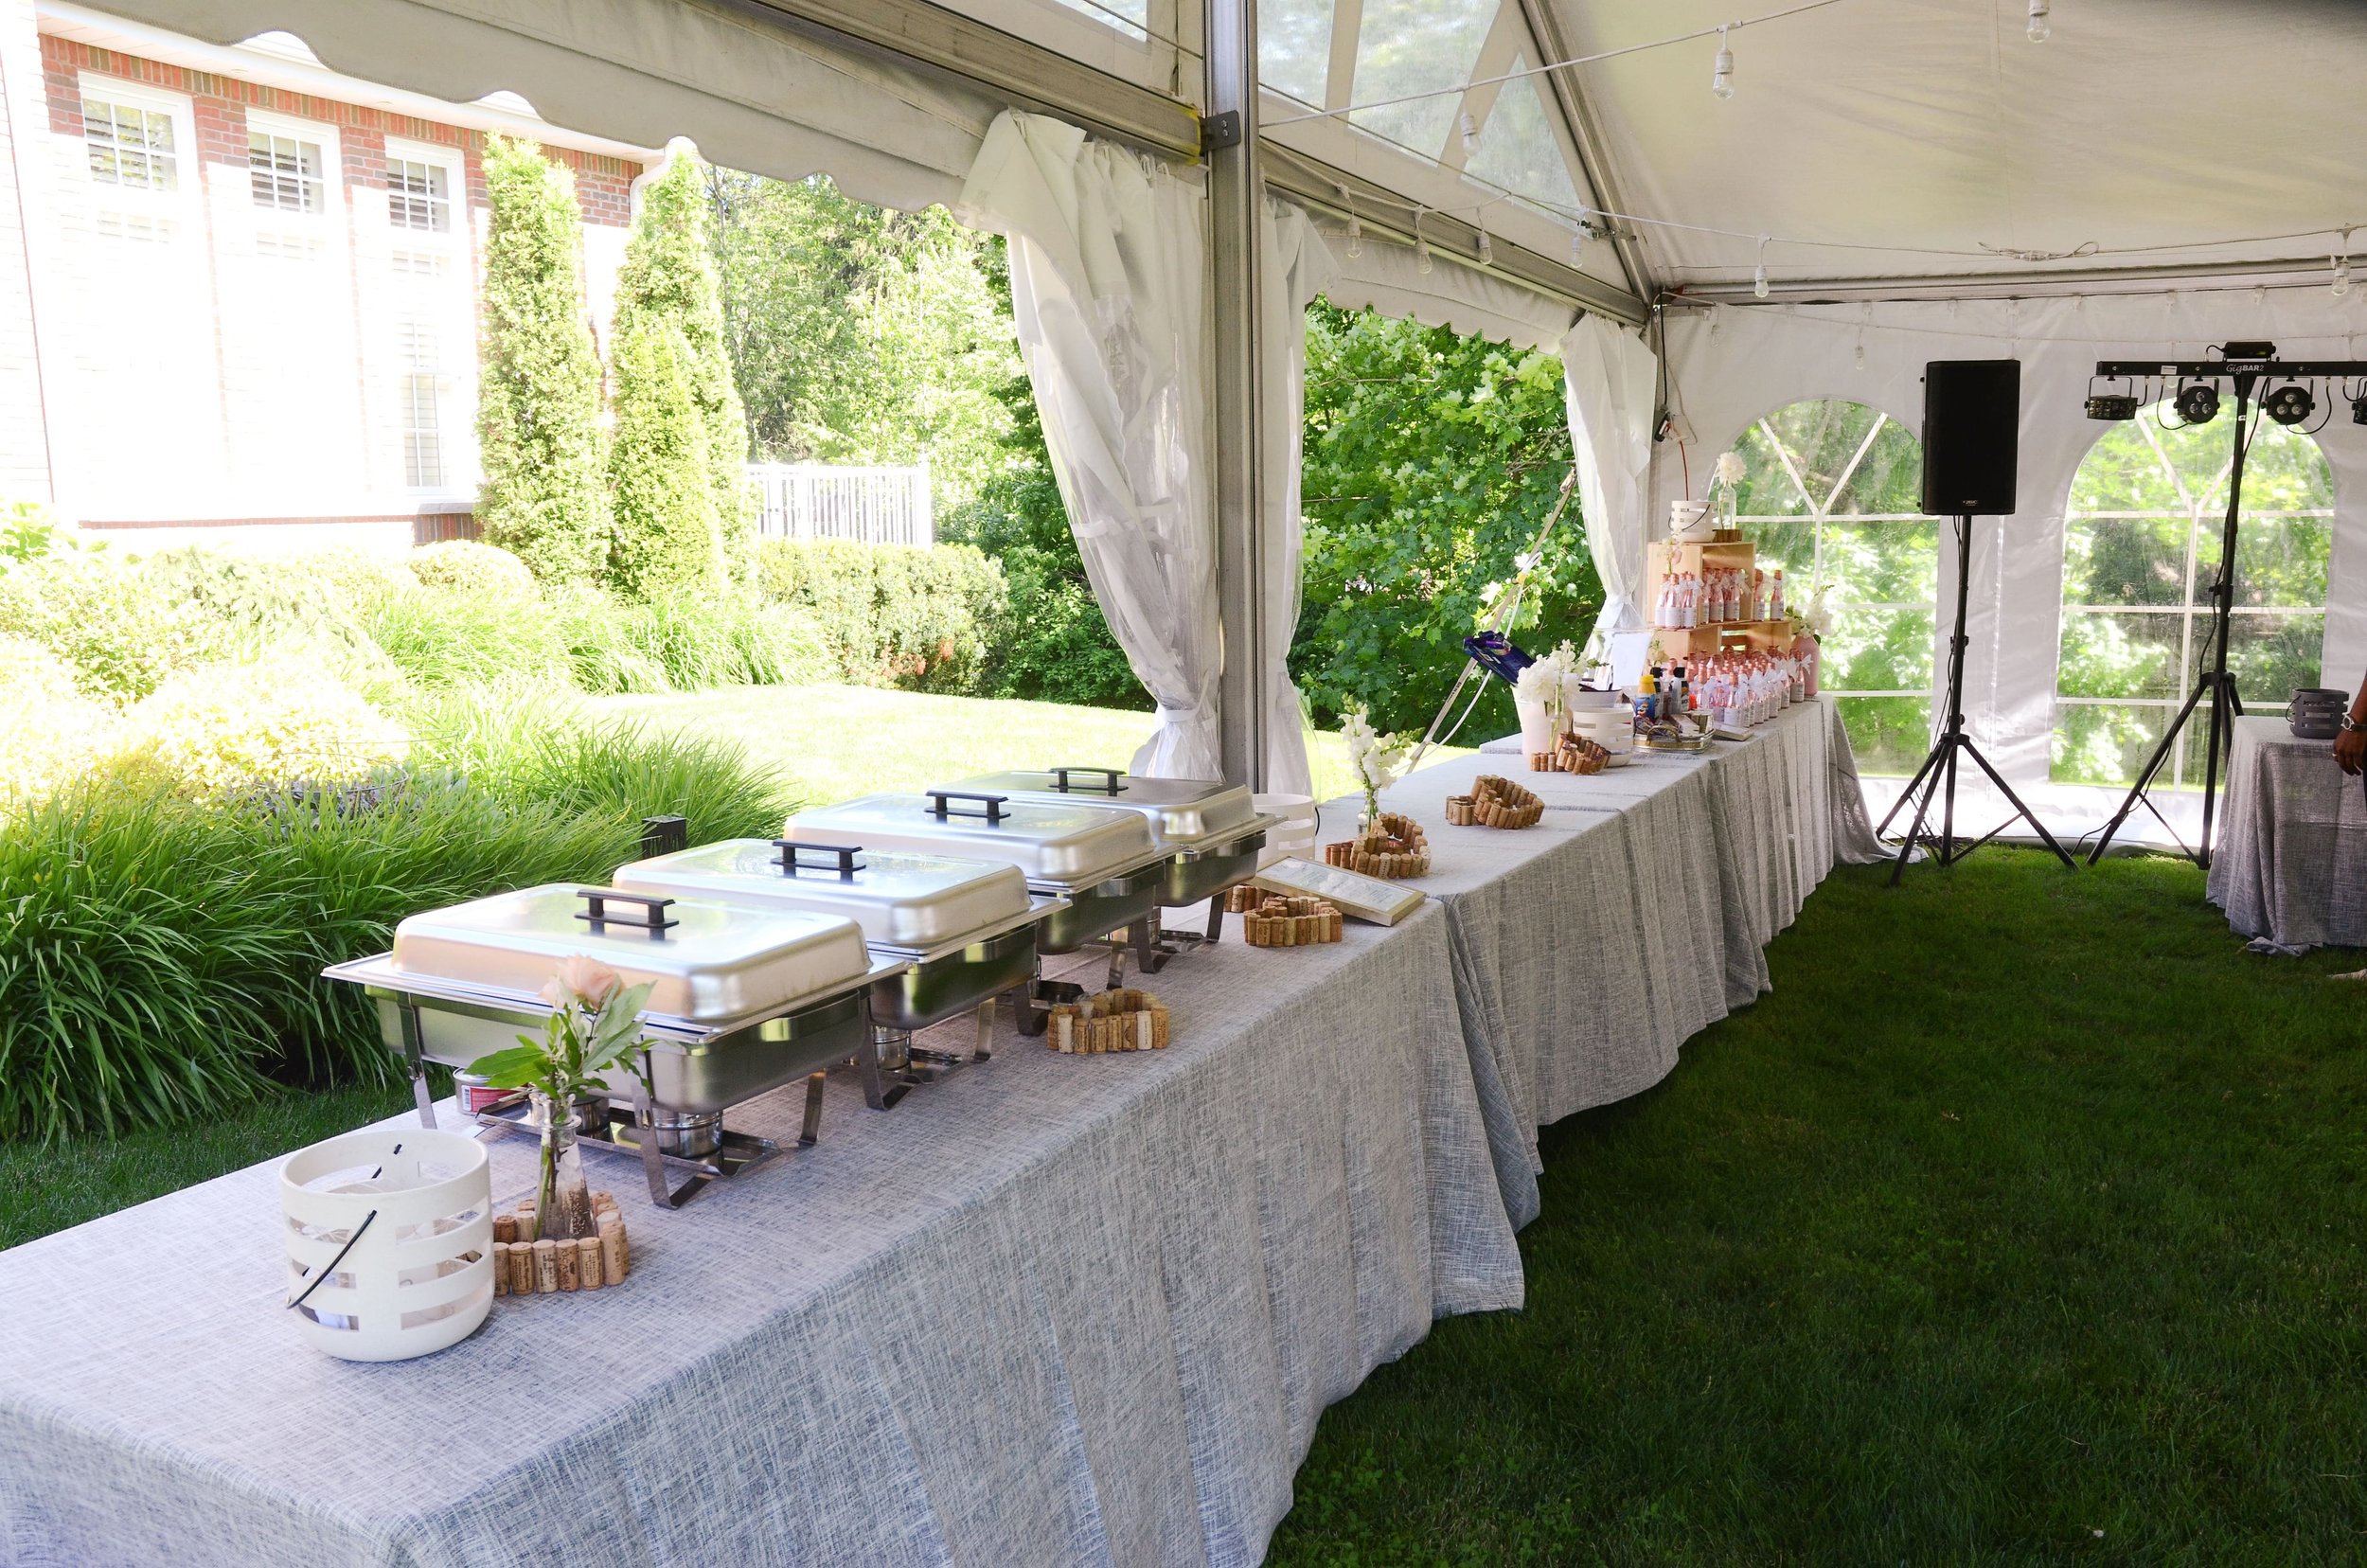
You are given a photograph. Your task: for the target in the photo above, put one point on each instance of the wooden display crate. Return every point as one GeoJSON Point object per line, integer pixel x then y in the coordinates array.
{"type": "Point", "coordinates": [1724, 637]}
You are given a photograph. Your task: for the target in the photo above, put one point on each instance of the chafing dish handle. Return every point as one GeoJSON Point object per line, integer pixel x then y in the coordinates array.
{"type": "Point", "coordinates": [664, 835]}
{"type": "Point", "coordinates": [1060, 781]}
{"type": "Point", "coordinates": [945, 799]}
{"type": "Point", "coordinates": [840, 858]}
{"type": "Point", "coordinates": [653, 921]}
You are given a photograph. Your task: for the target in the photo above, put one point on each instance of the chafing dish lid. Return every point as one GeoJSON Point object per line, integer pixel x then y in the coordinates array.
{"type": "Point", "coordinates": [712, 962]}
{"type": "Point", "coordinates": [1052, 844]}
{"type": "Point", "coordinates": [901, 900]}
{"type": "Point", "coordinates": [1182, 811]}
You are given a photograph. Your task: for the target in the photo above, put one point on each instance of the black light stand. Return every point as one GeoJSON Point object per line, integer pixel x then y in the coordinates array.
{"type": "Point", "coordinates": [1937, 776]}
{"type": "Point", "coordinates": [2246, 366]}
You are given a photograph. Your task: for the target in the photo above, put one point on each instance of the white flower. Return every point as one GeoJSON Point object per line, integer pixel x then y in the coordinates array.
{"type": "Point", "coordinates": [1728, 470]}
{"type": "Point", "coordinates": [582, 980]}
{"type": "Point", "coordinates": [1379, 759]}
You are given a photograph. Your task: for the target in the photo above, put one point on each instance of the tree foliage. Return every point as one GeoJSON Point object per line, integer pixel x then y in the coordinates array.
{"type": "Point", "coordinates": [539, 437]}
{"type": "Point", "coordinates": [860, 335]}
{"type": "Point", "coordinates": [1432, 460]}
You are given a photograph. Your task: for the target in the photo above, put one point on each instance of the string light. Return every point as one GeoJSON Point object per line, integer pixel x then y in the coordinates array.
{"type": "Point", "coordinates": [1759, 280]}
{"type": "Point", "coordinates": [1723, 70]}
{"type": "Point", "coordinates": [2040, 27]}
{"type": "Point", "coordinates": [1486, 246]}
{"type": "Point", "coordinates": [1421, 244]}
{"type": "Point", "coordinates": [2342, 267]}
{"type": "Point", "coordinates": [1470, 136]}
{"type": "Point", "coordinates": [1355, 228]}
{"type": "Point", "coordinates": [1860, 356]}
{"type": "Point", "coordinates": [1577, 242]}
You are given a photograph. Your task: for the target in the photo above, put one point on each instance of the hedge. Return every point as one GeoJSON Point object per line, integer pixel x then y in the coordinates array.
{"type": "Point", "coordinates": [925, 618]}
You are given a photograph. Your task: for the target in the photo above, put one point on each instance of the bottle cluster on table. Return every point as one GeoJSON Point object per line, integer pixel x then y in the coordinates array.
{"type": "Point", "coordinates": [1733, 690]}
{"type": "Point", "coordinates": [1718, 595]}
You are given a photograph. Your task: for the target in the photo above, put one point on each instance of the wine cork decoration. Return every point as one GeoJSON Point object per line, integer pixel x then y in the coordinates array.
{"type": "Point", "coordinates": [1575, 755]}
{"type": "Point", "coordinates": [1496, 802]}
{"type": "Point", "coordinates": [1280, 921]}
{"type": "Point", "coordinates": [1393, 848]}
{"type": "Point", "coordinates": [1126, 1020]}
{"type": "Point", "coordinates": [552, 1267]}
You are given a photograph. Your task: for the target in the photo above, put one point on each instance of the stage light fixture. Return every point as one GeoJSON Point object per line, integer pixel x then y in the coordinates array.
{"type": "Point", "coordinates": [2289, 404]}
{"type": "Point", "coordinates": [2359, 409]}
{"type": "Point", "coordinates": [2112, 405]}
{"type": "Point", "coordinates": [2197, 404]}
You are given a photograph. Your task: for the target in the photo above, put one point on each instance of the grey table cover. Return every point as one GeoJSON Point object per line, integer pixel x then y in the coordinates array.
{"type": "Point", "coordinates": [1056, 1310]}
{"type": "Point", "coordinates": [2290, 865]}
{"type": "Point", "coordinates": [1587, 949]}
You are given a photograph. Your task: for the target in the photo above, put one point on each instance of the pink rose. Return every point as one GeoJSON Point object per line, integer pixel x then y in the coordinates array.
{"type": "Point", "coordinates": [583, 980]}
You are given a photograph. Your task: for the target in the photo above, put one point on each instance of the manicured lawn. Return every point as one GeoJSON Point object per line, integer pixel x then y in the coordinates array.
{"type": "Point", "coordinates": [835, 742]}
{"type": "Point", "coordinates": [2021, 1224]}
{"type": "Point", "coordinates": [2028, 1206]}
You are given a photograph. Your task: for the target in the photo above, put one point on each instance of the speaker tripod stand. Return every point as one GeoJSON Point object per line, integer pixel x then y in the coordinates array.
{"type": "Point", "coordinates": [1936, 779]}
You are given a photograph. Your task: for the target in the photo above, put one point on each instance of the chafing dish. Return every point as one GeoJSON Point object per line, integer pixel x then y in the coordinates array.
{"type": "Point", "coordinates": [742, 1002]}
{"type": "Point", "coordinates": [1209, 833]}
{"type": "Point", "coordinates": [966, 929]}
{"type": "Point", "coordinates": [1104, 862]}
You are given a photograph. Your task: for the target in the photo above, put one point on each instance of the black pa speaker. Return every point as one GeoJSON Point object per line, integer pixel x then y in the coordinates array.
{"type": "Point", "coordinates": [1971, 424]}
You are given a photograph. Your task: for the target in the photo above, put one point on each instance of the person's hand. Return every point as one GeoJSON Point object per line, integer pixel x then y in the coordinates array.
{"type": "Point", "coordinates": [2350, 748]}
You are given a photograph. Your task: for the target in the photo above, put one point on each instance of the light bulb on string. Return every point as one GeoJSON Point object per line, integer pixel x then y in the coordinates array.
{"type": "Point", "coordinates": [1722, 69]}
{"type": "Point", "coordinates": [1486, 246]}
{"type": "Point", "coordinates": [1355, 228]}
{"type": "Point", "coordinates": [2041, 28]}
{"type": "Point", "coordinates": [2342, 266]}
{"type": "Point", "coordinates": [1759, 280]}
{"type": "Point", "coordinates": [1470, 136]}
{"type": "Point", "coordinates": [1421, 245]}
{"type": "Point", "coordinates": [1577, 243]}
{"type": "Point", "coordinates": [1859, 358]}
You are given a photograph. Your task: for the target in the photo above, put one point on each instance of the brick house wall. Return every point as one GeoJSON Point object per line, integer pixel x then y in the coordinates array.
{"type": "Point", "coordinates": [220, 355]}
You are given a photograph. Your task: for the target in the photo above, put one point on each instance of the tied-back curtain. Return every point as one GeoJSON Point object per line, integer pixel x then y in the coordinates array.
{"type": "Point", "coordinates": [1107, 290]}
{"type": "Point", "coordinates": [1298, 267]}
{"type": "Point", "coordinates": [1609, 382]}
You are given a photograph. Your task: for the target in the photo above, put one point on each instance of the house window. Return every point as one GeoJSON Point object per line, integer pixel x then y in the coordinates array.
{"type": "Point", "coordinates": [416, 397]}
{"type": "Point", "coordinates": [2140, 550]}
{"type": "Point", "coordinates": [418, 195]}
{"type": "Point", "coordinates": [286, 172]}
{"type": "Point", "coordinates": [1832, 494]}
{"type": "Point", "coordinates": [130, 146]}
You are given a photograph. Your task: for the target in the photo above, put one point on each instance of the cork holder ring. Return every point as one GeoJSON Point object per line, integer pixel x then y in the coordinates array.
{"type": "Point", "coordinates": [550, 1267]}
{"type": "Point", "coordinates": [389, 1237]}
{"type": "Point", "coordinates": [1391, 848]}
{"type": "Point", "coordinates": [1575, 755]}
{"type": "Point", "coordinates": [1495, 803]}
{"type": "Point", "coordinates": [1127, 1020]}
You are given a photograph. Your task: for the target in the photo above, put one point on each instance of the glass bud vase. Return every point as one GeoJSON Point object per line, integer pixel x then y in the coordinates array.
{"type": "Point", "coordinates": [562, 1200]}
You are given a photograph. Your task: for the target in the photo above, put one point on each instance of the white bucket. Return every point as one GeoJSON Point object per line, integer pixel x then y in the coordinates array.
{"type": "Point", "coordinates": [406, 1216]}
{"type": "Point", "coordinates": [1691, 521]}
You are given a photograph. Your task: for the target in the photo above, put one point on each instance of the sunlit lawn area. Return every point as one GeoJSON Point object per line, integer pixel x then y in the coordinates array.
{"type": "Point", "coordinates": [836, 743]}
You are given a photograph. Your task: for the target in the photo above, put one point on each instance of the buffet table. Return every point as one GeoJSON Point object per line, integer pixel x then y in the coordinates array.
{"type": "Point", "coordinates": [1588, 948]}
{"type": "Point", "coordinates": [2290, 865]}
{"type": "Point", "coordinates": [1055, 1309]}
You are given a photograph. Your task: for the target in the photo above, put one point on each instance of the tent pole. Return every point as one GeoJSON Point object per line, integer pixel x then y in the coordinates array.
{"type": "Point", "coordinates": [1236, 189]}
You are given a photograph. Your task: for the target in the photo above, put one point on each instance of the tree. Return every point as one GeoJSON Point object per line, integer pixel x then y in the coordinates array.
{"type": "Point", "coordinates": [539, 439]}
{"type": "Point", "coordinates": [669, 305]}
{"type": "Point", "coordinates": [668, 534]}
{"type": "Point", "coordinates": [860, 335]}
{"type": "Point", "coordinates": [1432, 460]}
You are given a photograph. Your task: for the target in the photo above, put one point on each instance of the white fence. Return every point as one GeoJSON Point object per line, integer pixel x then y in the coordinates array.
{"type": "Point", "coordinates": [872, 506]}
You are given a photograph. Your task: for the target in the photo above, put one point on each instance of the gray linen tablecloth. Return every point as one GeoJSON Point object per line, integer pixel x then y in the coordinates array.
{"type": "Point", "coordinates": [2290, 865]}
{"type": "Point", "coordinates": [1587, 949]}
{"type": "Point", "coordinates": [1055, 1309]}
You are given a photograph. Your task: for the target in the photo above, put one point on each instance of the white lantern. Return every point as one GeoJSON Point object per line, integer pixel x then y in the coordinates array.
{"type": "Point", "coordinates": [403, 1219]}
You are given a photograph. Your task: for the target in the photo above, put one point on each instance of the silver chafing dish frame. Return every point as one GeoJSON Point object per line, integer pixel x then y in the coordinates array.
{"type": "Point", "coordinates": [835, 1021]}
{"type": "Point", "coordinates": [1195, 872]}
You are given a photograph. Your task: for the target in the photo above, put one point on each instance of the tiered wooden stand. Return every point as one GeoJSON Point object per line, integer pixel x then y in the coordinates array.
{"type": "Point", "coordinates": [1672, 645]}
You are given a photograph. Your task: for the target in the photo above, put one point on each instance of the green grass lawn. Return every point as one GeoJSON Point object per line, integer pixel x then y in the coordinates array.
{"type": "Point", "coordinates": [835, 742]}
{"type": "Point", "coordinates": [2028, 1206]}
{"type": "Point", "coordinates": [2021, 1224]}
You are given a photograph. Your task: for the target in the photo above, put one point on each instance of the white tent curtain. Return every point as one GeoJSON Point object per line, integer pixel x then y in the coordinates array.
{"type": "Point", "coordinates": [1731, 365]}
{"type": "Point", "coordinates": [1388, 276]}
{"type": "Point", "coordinates": [1609, 382]}
{"type": "Point", "coordinates": [1298, 267]}
{"type": "Point", "coordinates": [748, 91]}
{"type": "Point", "coordinates": [1106, 255]}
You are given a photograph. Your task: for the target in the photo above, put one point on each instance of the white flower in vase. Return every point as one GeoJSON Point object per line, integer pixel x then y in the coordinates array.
{"type": "Point", "coordinates": [1725, 478]}
{"type": "Point", "coordinates": [1379, 759]}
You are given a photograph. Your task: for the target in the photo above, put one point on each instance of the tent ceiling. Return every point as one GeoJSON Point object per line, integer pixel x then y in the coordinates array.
{"type": "Point", "coordinates": [1936, 125]}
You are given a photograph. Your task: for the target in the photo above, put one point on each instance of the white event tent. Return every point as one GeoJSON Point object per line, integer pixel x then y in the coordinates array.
{"type": "Point", "coordinates": [1889, 182]}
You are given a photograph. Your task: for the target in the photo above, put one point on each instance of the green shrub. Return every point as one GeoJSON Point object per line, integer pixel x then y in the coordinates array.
{"type": "Point", "coordinates": [158, 958]}
{"type": "Point", "coordinates": [359, 579]}
{"type": "Point", "coordinates": [441, 638]}
{"type": "Point", "coordinates": [226, 728]}
{"type": "Point", "coordinates": [469, 566]}
{"type": "Point", "coordinates": [55, 733]}
{"type": "Point", "coordinates": [254, 597]}
{"type": "Point", "coordinates": [666, 537]}
{"type": "Point", "coordinates": [108, 622]}
{"type": "Point", "coordinates": [925, 618]}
